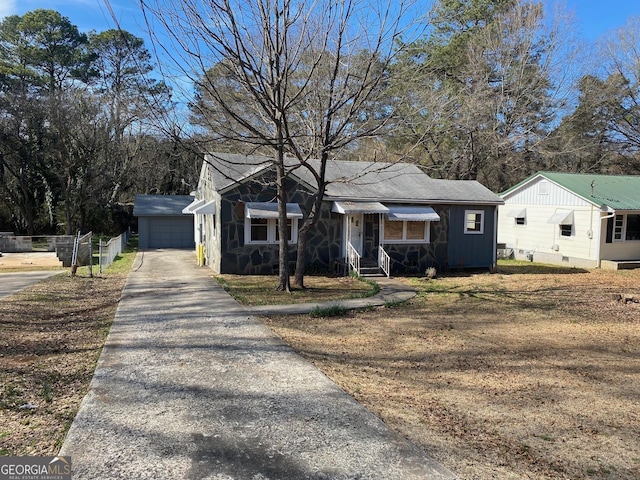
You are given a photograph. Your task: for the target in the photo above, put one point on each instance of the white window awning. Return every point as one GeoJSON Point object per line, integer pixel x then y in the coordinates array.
{"type": "Point", "coordinates": [517, 213]}
{"type": "Point", "coordinates": [412, 214]}
{"type": "Point", "coordinates": [270, 210]}
{"type": "Point", "coordinates": [562, 217]}
{"type": "Point", "coordinates": [208, 208]}
{"type": "Point", "coordinates": [193, 205]}
{"type": "Point", "coordinates": [358, 207]}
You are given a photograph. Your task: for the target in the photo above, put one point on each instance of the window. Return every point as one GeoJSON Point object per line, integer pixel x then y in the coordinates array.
{"type": "Point", "coordinates": [618, 228]}
{"type": "Point", "coordinates": [626, 227]}
{"type": "Point", "coordinates": [405, 231]}
{"type": "Point", "coordinates": [259, 230]}
{"type": "Point", "coordinates": [265, 230]}
{"type": "Point", "coordinates": [261, 222]}
{"type": "Point", "coordinates": [393, 231]}
{"type": "Point", "coordinates": [289, 231]}
{"type": "Point", "coordinates": [519, 216]}
{"type": "Point", "coordinates": [633, 227]}
{"type": "Point", "coordinates": [474, 222]}
{"type": "Point", "coordinates": [566, 230]}
{"type": "Point", "coordinates": [415, 230]}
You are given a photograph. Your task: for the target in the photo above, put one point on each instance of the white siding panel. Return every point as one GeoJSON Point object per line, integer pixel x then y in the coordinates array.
{"type": "Point", "coordinates": [585, 247]}
{"type": "Point", "coordinates": [557, 195]}
{"type": "Point", "coordinates": [538, 235]}
{"type": "Point", "coordinates": [629, 250]}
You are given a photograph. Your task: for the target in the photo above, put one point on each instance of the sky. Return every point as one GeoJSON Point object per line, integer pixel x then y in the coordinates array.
{"type": "Point", "coordinates": [597, 17]}
{"type": "Point", "coordinates": [593, 17]}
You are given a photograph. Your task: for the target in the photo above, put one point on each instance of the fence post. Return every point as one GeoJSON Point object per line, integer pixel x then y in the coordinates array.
{"type": "Point", "coordinates": [100, 256]}
{"type": "Point", "coordinates": [91, 257]}
{"type": "Point", "coordinates": [74, 255]}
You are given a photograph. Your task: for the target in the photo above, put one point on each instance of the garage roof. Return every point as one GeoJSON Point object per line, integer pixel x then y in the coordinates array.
{"type": "Point", "coordinates": [160, 205]}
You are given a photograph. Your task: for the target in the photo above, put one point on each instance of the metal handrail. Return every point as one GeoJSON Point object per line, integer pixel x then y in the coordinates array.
{"type": "Point", "coordinates": [353, 258]}
{"type": "Point", "coordinates": [384, 261]}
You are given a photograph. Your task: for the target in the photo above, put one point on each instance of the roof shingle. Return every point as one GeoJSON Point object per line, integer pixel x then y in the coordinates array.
{"type": "Point", "coordinates": [160, 205]}
{"type": "Point", "coordinates": [373, 181]}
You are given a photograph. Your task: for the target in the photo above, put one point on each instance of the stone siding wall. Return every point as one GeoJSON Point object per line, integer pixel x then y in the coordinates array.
{"type": "Point", "coordinates": [324, 243]}
{"type": "Point", "coordinates": [416, 258]}
{"type": "Point", "coordinates": [324, 249]}
{"type": "Point", "coordinates": [236, 257]}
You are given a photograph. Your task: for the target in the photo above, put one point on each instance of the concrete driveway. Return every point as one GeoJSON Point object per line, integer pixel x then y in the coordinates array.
{"type": "Point", "coordinates": [191, 386]}
{"type": "Point", "coordinates": [13, 282]}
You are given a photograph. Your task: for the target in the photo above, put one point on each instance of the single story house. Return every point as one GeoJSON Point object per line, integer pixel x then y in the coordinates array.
{"type": "Point", "coordinates": [578, 220]}
{"type": "Point", "coordinates": [161, 223]}
{"type": "Point", "coordinates": [370, 212]}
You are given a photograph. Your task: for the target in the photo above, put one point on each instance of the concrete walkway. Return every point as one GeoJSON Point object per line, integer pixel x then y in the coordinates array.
{"type": "Point", "coordinates": [191, 386]}
{"type": "Point", "coordinates": [390, 292]}
{"type": "Point", "coordinates": [12, 282]}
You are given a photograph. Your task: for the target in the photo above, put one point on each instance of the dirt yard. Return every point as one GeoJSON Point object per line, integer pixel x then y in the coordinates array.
{"type": "Point", "coordinates": [506, 376]}
{"type": "Point", "coordinates": [51, 335]}
{"type": "Point", "coordinates": [532, 372]}
{"type": "Point", "coordinates": [29, 261]}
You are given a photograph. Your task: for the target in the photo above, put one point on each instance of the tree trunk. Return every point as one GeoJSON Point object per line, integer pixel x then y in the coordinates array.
{"type": "Point", "coordinates": [303, 235]}
{"type": "Point", "coordinates": [283, 257]}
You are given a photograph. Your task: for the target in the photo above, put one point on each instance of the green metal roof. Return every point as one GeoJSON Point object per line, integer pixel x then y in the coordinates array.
{"type": "Point", "coordinates": [620, 192]}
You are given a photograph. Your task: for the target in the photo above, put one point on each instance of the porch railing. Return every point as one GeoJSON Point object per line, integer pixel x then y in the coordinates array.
{"type": "Point", "coordinates": [384, 261]}
{"type": "Point", "coordinates": [353, 258]}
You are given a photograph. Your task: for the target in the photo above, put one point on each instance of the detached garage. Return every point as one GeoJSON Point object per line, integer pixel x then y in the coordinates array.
{"type": "Point", "coordinates": [161, 223]}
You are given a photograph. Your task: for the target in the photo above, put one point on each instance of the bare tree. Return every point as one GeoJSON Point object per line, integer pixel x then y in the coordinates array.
{"type": "Point", "coordinates": [347, 100]}
{"type": "Point", "coordinates": [619, 56]}
{"type": "Point", "coordinates": [302, 79]}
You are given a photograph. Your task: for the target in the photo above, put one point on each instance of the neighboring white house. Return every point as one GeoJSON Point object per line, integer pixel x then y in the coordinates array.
{"type": "Point", "coordinates": [578, 220]}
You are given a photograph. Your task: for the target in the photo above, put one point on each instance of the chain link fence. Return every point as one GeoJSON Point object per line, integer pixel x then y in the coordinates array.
{"type": "Point", "coordinates": [109, 250]}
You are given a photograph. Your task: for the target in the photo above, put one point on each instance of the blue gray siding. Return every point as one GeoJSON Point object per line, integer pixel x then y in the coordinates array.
{"type": "Point", "coordinates": [471, 250]}
{"type": "Point", "coordinates": [165, 232]}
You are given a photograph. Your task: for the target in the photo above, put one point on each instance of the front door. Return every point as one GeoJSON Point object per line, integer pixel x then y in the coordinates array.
{"type": "Point", "coordinates": [355, 229]}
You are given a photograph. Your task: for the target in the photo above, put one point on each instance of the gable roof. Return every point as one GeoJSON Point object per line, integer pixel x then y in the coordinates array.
{"type": "Point", "coordinates": [619, 192]}
{"type": "Point", "coordinates": [228, 169]}
{"type": "Point", "coordinates": [160, 205]}
{"type": "Point", "coordinates": [351, 180]}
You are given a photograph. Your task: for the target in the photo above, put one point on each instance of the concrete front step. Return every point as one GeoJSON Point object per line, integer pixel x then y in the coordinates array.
{"type": "Point", "coordinates": [370, 268]}
{"type": "Point", "coordinates": [369, 271]}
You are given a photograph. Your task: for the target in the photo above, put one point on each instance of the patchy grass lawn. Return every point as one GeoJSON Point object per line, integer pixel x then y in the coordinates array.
{"type": "Point", "coordinates": [51, 335]}
{"type": "Point", "coordinates": [261, 289]}
{"type": "Point", "coordinates": [533, 372]}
